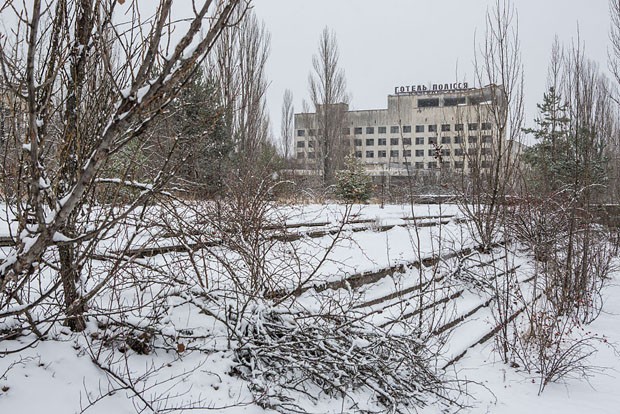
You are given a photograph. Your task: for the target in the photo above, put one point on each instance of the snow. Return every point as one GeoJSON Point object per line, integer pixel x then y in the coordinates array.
{"type": "Point", "coordinates": [142, 93]}
{"type": "Point", "coordinates": [62, 372]}
{"type": "Point", "coordinates": [43, 183]}
{"type": "Point", "coordinates": [59, 238]}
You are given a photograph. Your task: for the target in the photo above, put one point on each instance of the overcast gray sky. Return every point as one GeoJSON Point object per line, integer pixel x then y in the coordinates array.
{"type": "Point", "coordinates": [398, 42]}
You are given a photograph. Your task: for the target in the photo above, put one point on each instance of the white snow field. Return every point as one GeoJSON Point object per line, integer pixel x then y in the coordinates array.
{"type": "Point", "coordinates": [384, 268]}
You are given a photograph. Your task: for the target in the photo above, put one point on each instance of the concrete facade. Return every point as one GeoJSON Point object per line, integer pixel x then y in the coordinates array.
{"type": "Point", "coordinates": [420, 130]}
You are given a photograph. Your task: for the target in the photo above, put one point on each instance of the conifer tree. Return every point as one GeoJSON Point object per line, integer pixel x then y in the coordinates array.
{"type": "Point", "coordinates": [548, 156]}
{"type": "Point", "coordinates": [199, 123]}
{"type": "Point", "coordinates": [353, 183]}
{"type": "Point", "coordinates": [567, 154]}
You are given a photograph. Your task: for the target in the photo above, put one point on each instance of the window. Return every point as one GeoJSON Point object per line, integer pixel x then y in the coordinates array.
{"type": "Point", "coordinates": [485, 151]}
{"type": "Point", "coordinates": [394, 130]}
{"type": "Point", "coordinates": [432, 140]}
{"type": "Point", "coordinates": [458, 152]}
{"type": "Point", "coordinates": [486, 164]}
{"type": "Point", "coordinates": [472, 139]}
{"type": "Point", "coordinates": [432, 152]}
{"type": "Point", "coordinates": [406, 153]}
{"type": "Point", "coordinates": [358, 154]}
{"type": "Point", "coordinates": [346, 131]}
{"type": "Point", "coordinates": [472, 151]}
{"type": "Point", "coordinates": [419, 128]}
{"type": "Point", "coordinates": [445, 140]}
{"type": "Point", "coordinates": [394, 153]}
{"type": "Point", "coordinates": [311, 155]}
{"type": "Point", "coordinates": [393, 141]}
{"type": "Point", "coordinates": [458, 139]}
{"type": "Point", "coordinates": [419, 153]}
{"type": "Point", "coordinates": [487, 139]}
{"type": "Point", "coordinates": [454, 101]}
{"type": "Point", "coordinates": [459, 127]}
{"type": "Point", "coordinates": [370, 154]}
{"type": "Point", "coordinates": [406, 128]}
{"type": "Point", "coordinates": [472, 127]}
{"type": "Point", "coordinates": [427, 103]}
{"type": "Point", "coordinates": [419, 165]}
{"type": "Point", "coordinates": [382, 154]}
{"type": "Point", "coordinates": [357, 142]}
{"type": "Point", "coordinates": [445, 165]}
{"type": "Point", "coordinates": [459, 165]}
{"type": "Point", "coordinates": [301, 144]}
{"type": "Point", "coordinates": [312, 132]}
{"type": "Point", "coordinates": [419, 141]}
{"type": "Point", "coordinates": [370, 141]}
{"type": "Point", "coordinates": [301, 133]}
{"type": "Point", "coordinates": [311, 143]}
{"type": "Point", "coordinates": [382, 130]}
{"type": "Point", "coordinates": [445, 152]}
{"type": "Point", "coordinates": [445, 127]}
{"type": "Point", "coordinates": [382, 141]}
{"type": "Point", "coordinates": [478, 99]}
{"type": "Point", "coordinates": [406, 141]}
{"type": "Point", "coordinates": [357, 131]}
{"type": "Point", "coordinates": [406, 163]}
{"type": "Point", "coordinates": [486, 126]}
{"type": "Point", "coordinates": [432, 165]}
{"type": "Point", "coordinates": [301, 155]}
{"type": "Point", "coordinates": [370, 130]}
{"type": "Point", "coordinates": [432, 128]}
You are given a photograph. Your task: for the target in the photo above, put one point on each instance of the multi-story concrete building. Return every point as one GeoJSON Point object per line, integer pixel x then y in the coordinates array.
{"type": "Point", "coordinates": [424, 128]}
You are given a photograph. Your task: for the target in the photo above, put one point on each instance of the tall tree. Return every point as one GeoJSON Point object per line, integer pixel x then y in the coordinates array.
{"type": "Point", "coordinates": [327, 86]}
{"type": "Point", "coordinates": [545, 158]}
{"type": "Point", "coordinates": [491, 176]}
{"type": "Point", "coordinates": [198, 122]}
{"type": "Point", "coordinates": [85, 75]}
{"type": "Point", "coordinates": [591, 125]}
{"type": "Point", "coordinates": [613, 149]}
{"type": "Point", "coordinates": [286, 127]}
{"type": "Point", "coordinates": [492, 168]}
{"type": "Point", "coordinates": [238, 65]}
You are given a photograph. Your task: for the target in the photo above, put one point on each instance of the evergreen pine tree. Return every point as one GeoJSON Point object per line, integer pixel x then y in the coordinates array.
{"type": "Point", "coordinates": [566, 155]}
{"type": "Point", "coordinates": [548, 157]}
{"type": "Point", "coordinates": [353, 184]}
{"type": "Point", "coordinates": [199, 122]}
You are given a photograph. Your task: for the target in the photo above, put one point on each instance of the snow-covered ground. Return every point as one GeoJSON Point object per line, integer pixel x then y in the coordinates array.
{"type": "Point", "coordinates": [58, 375]}
{"type": "Point", "coordinates": [510, 391]}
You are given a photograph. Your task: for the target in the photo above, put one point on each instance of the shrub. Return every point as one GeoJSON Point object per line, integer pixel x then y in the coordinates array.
{"type": "Point", "coordinates": [353, 184]}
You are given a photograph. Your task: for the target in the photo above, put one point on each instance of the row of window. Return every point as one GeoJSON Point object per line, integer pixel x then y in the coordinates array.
{"type": "Point", "coordinates": [420, 140]}
{"type": "Point", "coordinates": [445, 165]}
{"type": "Point", "coordinates": [455, 101]}
{"type": "Point", "coordinates": [472, 139]}
{"type": "Point", "coordinates": [485, 126]}
{"type": "Point", "coordinates": [420, 164]}
{"type": "Point", "coordinates": [459, 152]}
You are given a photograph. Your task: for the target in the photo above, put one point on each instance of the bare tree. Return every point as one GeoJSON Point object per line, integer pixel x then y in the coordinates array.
{"type": "Point", "coordinates": [566, 177]}
{"type": "Point", "coordinates": [286, 129]}
{"type": "Point", "coordinates": [239, 66]}
{"type": "Point", "coordinates": [614, 65]}
{"type": "Point", "coordinates": [492, 170]}
{"type": "Point", "coordinates": [91, 87]}
{"type": "Point", "coordinates": [492, 149]}
{"type": "Point", "coordinates": [614, 35]}
{"type": "Point", "coordinates": [328, 94]}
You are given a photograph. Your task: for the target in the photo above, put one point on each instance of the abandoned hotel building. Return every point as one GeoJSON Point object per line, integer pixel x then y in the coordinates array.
{"type": "Point", "coordinates": [424, 128]}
